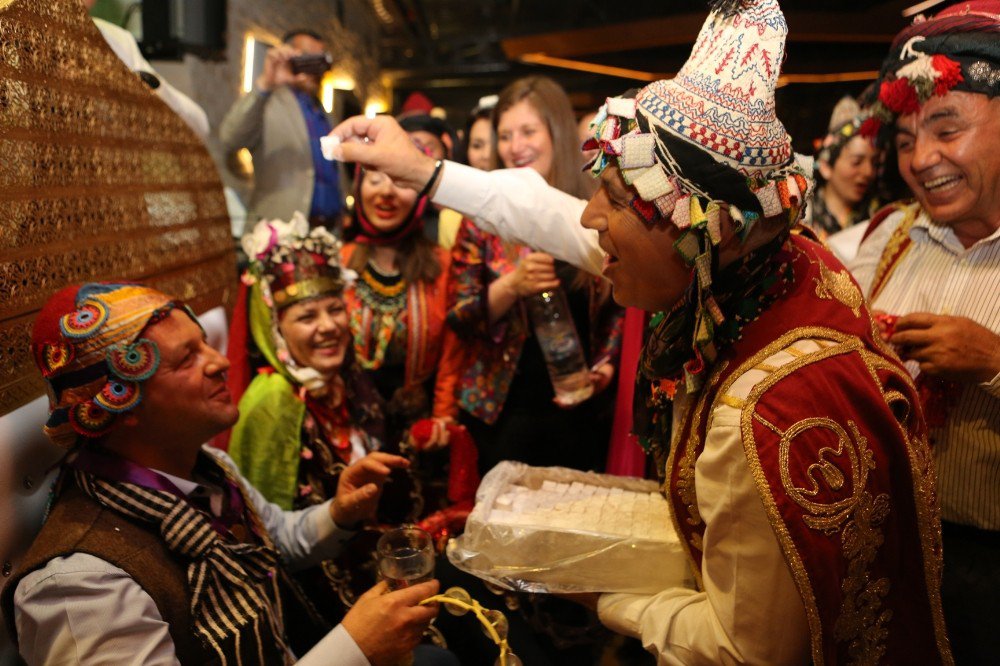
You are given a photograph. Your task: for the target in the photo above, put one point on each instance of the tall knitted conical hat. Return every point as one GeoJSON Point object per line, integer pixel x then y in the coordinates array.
{"type": "Point", "coordinates": [705, 149]}
{"type": "Point", "coordinates": [722, 99]}
{"type": "Point", "coordinates": [709, 138]}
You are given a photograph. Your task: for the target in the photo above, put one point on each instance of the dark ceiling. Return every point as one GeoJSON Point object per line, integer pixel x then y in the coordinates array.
{"type": "Point", "coordinates": [458, 50]}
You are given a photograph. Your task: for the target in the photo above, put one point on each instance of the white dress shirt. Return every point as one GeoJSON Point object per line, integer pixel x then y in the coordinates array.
{"type": "Point", "coordinates": [750, 611]}
{"type": "Point", "coordinates": [80, 609]}
{"type": "Point", "coordinates": [123, 44]}
{"type": "Point", "coordinates": [519, 206]}
{"type": "Point", "coordinates": [940, 276]}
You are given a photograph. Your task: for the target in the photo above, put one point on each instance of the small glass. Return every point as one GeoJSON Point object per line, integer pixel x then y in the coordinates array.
{"type": "Point", "coordinates": [405, 557]}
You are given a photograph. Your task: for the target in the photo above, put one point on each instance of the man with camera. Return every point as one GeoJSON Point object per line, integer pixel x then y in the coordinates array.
{"type": "Point", "coordinates": [280, 122]}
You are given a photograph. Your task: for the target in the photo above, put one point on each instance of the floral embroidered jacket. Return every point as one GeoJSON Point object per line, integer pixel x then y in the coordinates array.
{"type": "Point", "coordinates": [430, 346]}
{"type": "Point", "coordinates": [493, 352]}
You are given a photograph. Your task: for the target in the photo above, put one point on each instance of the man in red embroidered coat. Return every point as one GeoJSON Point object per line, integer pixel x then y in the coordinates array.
{"type": "Point", "coordinates": [932, 267]}
{"type": "Point", "coordinates": [798, 468]}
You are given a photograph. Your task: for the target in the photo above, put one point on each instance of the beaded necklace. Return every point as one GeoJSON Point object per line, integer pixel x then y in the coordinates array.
{"type": "Point", "coordinates": [383, 298]}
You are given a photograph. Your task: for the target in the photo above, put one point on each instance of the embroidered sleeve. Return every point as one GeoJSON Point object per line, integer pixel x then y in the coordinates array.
{"type": "Point", "coordinates": [468, 314]}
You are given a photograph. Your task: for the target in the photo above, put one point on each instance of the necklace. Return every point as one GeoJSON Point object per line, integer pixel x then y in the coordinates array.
{"type": "Point", "coordinates": [383, 298]}
{"type": "Point", "coordinates": [382, 293]}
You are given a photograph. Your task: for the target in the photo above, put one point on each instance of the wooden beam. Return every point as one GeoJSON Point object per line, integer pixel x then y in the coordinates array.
{"type": "Point", "coordinates": [874, 27]}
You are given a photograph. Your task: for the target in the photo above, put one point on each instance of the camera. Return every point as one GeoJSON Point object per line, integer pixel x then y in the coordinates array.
{"type": "Point", "coordinates": [312, 63]}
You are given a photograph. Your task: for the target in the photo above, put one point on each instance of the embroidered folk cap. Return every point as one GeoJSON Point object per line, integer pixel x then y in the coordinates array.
{"type": "Point", "coordinates": [87, 344]}
{"type": "Point", "coordinates": [958, 49]}
{"type": "Point", "coordinates": [706, 148]}
{"type": "Point", "coordinates": [707, 144]}
{"type": "Point", "coordinates": [295, 262]}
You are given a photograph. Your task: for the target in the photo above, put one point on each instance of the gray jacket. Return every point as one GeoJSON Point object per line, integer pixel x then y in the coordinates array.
{"type": "Point", "coordinates": [272, 128]}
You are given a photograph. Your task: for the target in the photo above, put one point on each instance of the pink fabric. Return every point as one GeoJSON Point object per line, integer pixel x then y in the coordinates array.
{"type": "Point", "coordinates": [625, 456]}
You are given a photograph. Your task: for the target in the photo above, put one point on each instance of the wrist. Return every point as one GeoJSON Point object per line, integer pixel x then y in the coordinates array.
{"type": "Point", "coordinates": [341, 521]}
{"type": "Point", "coordinates": [263, 86]}
{"type": "Point", "coordinates": [508, 285]}
{"type": "Point", "coordinates": [422, 173]}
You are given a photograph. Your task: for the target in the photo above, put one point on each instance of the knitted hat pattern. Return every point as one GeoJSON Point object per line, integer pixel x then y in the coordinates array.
{"type": "Point", "coordinates": [86, 343]}
{"type": "Point", "coordinates": [705, 149]}
{"type": "Point", "coordinates": [707, 145]}
{"type": "Point", "coordinates": [958, 49]}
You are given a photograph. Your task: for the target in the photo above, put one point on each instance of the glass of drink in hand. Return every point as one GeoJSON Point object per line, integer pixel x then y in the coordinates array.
{"type": "Point", "coordinates": [405, 557]}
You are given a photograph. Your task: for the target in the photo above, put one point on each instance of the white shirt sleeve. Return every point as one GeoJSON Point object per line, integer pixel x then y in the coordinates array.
{"type": "Point", "coordinates": [62, 617]}
{"type": "Point", "coordinates": [124, 45]}
{"type": "Point", "coordinates": [303, 538]}
{"type": "Point", "coordinates": [519, 206]}
{"type": "Point", "coordinates": [80, 609]}
{"type": "Point", "coordinates": [750, 611]}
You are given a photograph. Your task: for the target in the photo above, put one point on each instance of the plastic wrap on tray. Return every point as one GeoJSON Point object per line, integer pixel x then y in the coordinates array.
{"type": "Point", "coordinates": [553, 529]}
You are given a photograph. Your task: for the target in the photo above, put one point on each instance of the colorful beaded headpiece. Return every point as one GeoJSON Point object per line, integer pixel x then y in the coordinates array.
{"type": "Point", "coordinates": [845, 124]}
{"type": "Point", "coordinates": [87, 345]}
{"type": "Point", "coordinates": [297, 262]}
{"type": "Point", "coordinates": [289, 263]}
{"type": "Point", "coordinates": [958, 49]}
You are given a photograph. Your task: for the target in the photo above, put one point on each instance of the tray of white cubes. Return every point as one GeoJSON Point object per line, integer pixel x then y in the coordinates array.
{"type": "Point", "coordinates": [553, 529]}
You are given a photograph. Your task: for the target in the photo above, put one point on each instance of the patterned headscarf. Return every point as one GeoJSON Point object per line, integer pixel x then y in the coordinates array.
{"type": "Point", "coordinates": [845, 124]}
{"type": "Point", "coordinates": [958, 49]}
{"type": "Point", "coordinates": [87, 344]}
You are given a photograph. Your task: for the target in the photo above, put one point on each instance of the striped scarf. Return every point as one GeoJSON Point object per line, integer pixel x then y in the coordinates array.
{"type": "Point", "coordinates": [232, 584]}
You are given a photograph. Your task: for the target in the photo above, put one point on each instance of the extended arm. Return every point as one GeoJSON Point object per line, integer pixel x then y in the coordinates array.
{"type": "Point", "coordinates": [515, 204]}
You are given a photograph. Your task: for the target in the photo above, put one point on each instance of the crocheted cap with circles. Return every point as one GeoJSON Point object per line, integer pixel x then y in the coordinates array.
{"type": "Point", "coordinates": [87, 344]}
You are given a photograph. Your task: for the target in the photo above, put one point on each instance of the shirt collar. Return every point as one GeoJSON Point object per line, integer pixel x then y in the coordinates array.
{"type": "Point", "coordinates": [925, 229]}
{"type": "Point", "coordinates": [183, 485]}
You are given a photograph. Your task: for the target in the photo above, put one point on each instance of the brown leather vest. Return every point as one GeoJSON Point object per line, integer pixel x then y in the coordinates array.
{"type": "Point", "coordinates": [78, 524]}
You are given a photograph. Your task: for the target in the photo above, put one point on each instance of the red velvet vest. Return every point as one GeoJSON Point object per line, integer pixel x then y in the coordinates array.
{"type": "Point", "coordinates": [836, 443]}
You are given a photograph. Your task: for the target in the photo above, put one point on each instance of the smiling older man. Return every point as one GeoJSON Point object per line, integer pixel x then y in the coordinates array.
{"type": "Point", "coordinates": [935, 264]}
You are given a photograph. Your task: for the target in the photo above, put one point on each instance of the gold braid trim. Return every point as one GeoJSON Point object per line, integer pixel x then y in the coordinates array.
{"type": "Point", "coordinates": [686, 491]}
{"type": "Point", "coordinates": [859, 592]}
{"type": "Point", "coordinates": [895, 249]}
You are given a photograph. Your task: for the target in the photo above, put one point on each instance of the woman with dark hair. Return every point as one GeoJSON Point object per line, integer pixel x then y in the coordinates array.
{"type": "Point", "coordinates": [505, 393]}
{"type": "Point", "coordinates": [479, 136]}
{"type": "Point", "coordinates": [398, 304]}
{"type": "Point", "coordinates": [846, 168]}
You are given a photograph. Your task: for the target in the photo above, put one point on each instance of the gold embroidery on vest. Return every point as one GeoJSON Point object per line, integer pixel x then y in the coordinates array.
{"type": "Point", "coordinates": [862, 622]}
{"type": "Point", "coordinates": [685, 481]}
{"type": "Point", "coordinates": [840, 286]}
{"type": "Point", "coordinates": [840, 343]}
{"type": "Point", "coordinates": [893, 251]}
